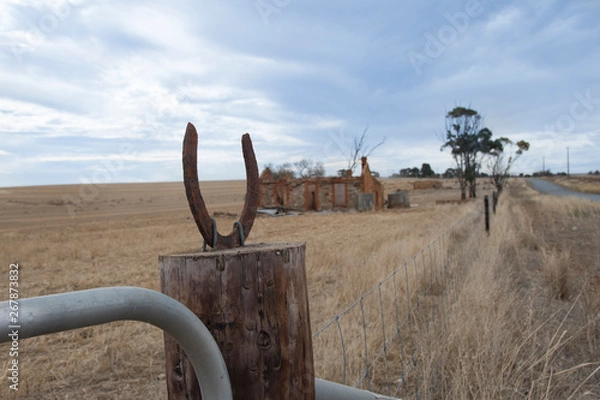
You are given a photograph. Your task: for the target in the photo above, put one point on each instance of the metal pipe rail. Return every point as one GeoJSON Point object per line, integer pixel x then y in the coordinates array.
{"type": "Point", "coordinates": [61, 312]}
{"type": "Point", "coordinates": [73, 310]}
{"type": "Point", "coordinates": [326, 390]}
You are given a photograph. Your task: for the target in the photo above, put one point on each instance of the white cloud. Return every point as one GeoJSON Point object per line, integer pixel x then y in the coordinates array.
{"type": "Point", "coordinates": [149, 156]}
{"type": "Point", "coordinates": [507, 19]}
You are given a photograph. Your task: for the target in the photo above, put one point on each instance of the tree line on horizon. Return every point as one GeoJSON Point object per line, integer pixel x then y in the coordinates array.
{"type": "Point", "coordinates": [469, 142]}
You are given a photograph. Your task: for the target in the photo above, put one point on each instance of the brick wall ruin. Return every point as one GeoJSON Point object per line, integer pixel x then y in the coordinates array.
{"type": "Point", "coordinates": [317, 194]}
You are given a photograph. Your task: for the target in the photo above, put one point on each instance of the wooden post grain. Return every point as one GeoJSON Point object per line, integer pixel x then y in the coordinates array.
{"type": "Point", "coordinates": [254, 301]}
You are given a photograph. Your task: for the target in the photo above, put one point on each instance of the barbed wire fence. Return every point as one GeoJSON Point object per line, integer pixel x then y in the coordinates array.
{"type": "Point", "coordinates": [380, 336]}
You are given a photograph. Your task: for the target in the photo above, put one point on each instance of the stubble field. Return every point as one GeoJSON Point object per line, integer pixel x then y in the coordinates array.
{"type": "Point", "coordinates": [68, 238]}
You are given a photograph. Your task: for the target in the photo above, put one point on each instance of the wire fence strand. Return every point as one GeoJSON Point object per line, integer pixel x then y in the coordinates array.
{"type": "Point", "coordinates": [382, 333]}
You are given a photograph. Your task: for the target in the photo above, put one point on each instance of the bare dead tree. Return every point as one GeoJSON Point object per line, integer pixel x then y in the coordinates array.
{"type": "Point", "coordinates": [360, 148]}
{"type": "Point", "coordinates": [309, 169]}
{"type": "Point", "coordinates": [502, 160]}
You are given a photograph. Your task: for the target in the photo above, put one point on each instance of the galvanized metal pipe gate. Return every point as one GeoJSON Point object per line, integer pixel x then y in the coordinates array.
{"type": "Point", "coordinates": [61, 312]}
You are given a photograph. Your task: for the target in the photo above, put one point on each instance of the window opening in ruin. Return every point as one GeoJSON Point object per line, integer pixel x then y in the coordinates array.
{"type": "Point", "coordinates": [339, 193]}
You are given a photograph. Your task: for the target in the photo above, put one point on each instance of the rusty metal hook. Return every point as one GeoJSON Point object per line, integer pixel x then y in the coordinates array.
{"type": "Point", "coordinates": [206, 225]}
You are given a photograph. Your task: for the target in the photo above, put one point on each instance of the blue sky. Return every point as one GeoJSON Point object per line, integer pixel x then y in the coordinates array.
{"type": "Point", "coordinates": [101, 92]}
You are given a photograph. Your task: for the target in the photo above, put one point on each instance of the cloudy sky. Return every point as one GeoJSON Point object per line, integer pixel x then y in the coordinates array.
{"type": "Point", "coordinates": [101, 92]}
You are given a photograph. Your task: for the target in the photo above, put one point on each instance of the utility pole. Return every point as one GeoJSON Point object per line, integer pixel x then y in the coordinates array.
{"type": "Point", "coordinates": [543, 165]}
{"type": "Point", "coordinates": [568, 171]}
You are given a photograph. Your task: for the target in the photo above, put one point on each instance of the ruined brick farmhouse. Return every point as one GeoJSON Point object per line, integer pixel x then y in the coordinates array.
{"type": "Point", "coordinates": [316, 194]}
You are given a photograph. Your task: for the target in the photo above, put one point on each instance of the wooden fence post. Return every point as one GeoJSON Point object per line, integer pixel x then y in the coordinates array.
{"type": "Point", "coordinates": [254, 301]}
{"type": "Point", "coordinates": [486, 204]}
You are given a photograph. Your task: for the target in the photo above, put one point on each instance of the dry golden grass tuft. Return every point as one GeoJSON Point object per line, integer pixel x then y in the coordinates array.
{"type": "Point", "coordinates": [505, 330]}
{"type": "Point", "coordinates": [557, 272]}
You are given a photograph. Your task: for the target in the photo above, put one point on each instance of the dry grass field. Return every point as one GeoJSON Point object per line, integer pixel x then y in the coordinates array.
{"type": "Point", "coordinates": [525, 322]}
{"type": "Point", "coordinates": [581, 183]}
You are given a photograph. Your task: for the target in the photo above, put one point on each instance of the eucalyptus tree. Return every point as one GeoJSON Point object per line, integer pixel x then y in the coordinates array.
{"type": "Point", "coordinates": [468, 143]}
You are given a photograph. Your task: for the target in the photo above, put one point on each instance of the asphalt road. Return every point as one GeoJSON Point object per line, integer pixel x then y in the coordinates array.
{"type": "Point", "coordinates": [550, 188]}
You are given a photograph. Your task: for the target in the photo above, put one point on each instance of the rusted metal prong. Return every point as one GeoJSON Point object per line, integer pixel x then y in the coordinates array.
{"type": "Point", "coordinates": [214, 225]}
{"type": "Point", "coordinates": [196, 202]}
